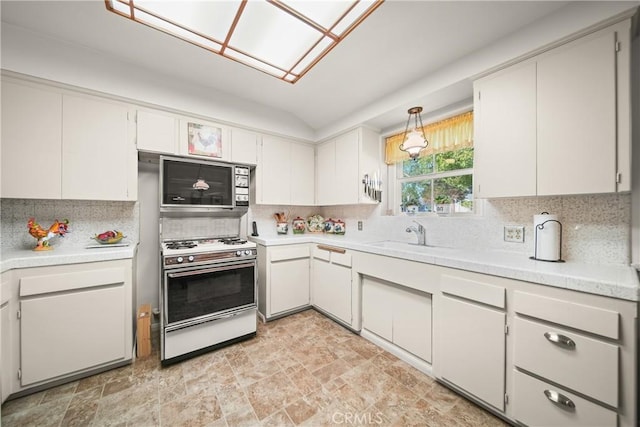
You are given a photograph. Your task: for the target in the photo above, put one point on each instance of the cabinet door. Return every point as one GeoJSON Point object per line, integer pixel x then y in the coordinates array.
{"type": "Point", "coordinates": [6, 367]}
{"type": "Point", "coordinates": [55, 332]}
{"type": "Point", "coordinates": [274, 186]}
{"type": "Point", "coordinates": [412, 322]}
{"type": "Point", "coordinates": [31, 142]}
{"type": "Point", "coordinates": [472, 349]}
{"type": "Point", "coordinates": [244, 146]}
{"type": "Point", "coordinates": [347, 168]}
{"type": "Point", "coordinates": [302, 174]}
{"type": "Point", "coordinates": [325, 173]}
{"type": "Point", "coordinates": [505, 133]}
{"type": "Point", "coordinates": [289, 285]}
{"type": "Point", "coordinates": [97, 159]}
{"type": "Point", "coordinates": [332, 289]}
{"type": "Point", "coordinates": [377, 310]}
{"type": "Point", "coordinates": [577, 118]}
{"type": "Point", "coordinates": [157, 132]}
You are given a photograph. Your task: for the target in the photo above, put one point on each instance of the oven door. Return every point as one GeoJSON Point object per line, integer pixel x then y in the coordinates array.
{"type": "Point", "coordinates": [194, 295]}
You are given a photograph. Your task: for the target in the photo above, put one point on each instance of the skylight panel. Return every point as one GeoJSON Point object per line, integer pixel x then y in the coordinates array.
{"type": "Point", "coordinates": [283, 38]}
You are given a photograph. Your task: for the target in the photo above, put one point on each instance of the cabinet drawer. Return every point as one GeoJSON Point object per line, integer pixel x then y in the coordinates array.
{"type": "Point", "coordinates": [532, 407]}
{"type": "Point", "coordinates": [474, 290]}
{"type": "Point", "coordinates": [289, 252]}
{"type": "Point", "coordinates": [586, 365]}
{"type": "Point", "coordinates": [341, 259]}
{"type": "Point", "coordinates": [579, 316]}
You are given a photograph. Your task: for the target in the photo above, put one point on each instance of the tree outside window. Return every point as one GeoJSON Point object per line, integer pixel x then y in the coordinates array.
{"type": "Point", "coordinates": [441, 182]}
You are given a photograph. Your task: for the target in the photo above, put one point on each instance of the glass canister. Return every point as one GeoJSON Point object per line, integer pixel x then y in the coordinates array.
{"type": "Point", "coordinates": [339, 226]}
{"type": "Point", "coordinates": [298, 225]}
{"type": "Point", "coordinates": [329, 226]}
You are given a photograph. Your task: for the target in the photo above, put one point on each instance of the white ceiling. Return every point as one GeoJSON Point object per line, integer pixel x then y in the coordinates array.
{"type": "Point", "coordinates": [400, 43]}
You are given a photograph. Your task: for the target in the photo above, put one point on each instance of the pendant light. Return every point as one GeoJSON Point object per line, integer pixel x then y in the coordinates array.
{"type": "Point", "coordinates": [415, 141]}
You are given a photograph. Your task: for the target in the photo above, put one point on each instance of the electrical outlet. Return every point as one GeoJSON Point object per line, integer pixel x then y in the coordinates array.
{"type": "Point", "coordinates": [359, 225]}
{"type": "Point", "coordinates": [514, 233]}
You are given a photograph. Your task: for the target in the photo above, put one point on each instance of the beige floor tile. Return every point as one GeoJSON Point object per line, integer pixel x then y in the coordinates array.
{"type": "Point", "coordinates": [300, 370]}
{"type": "Point", "coordinates": [279, 419]}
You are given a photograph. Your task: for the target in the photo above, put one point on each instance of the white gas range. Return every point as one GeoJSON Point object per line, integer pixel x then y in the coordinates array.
{"type": "Point", "coordinates": [208, 295]}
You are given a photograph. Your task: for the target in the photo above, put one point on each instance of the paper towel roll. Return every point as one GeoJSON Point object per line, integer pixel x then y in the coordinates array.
{"type": "Point", "coordinates": [548, 238]}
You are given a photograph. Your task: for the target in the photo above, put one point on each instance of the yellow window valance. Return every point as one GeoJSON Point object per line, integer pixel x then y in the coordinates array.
{"type": "Point", "coordinates": [449, 134]}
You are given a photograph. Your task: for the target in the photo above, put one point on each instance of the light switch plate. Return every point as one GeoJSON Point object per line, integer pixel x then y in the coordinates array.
{"type": "Point", "coordinates": [514, 233]}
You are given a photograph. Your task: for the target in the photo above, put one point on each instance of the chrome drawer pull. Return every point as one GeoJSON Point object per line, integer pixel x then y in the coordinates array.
{"type": "Point", "coordinates": [560, 340]}
{"type": "Point", "coordinates": [560, 400]}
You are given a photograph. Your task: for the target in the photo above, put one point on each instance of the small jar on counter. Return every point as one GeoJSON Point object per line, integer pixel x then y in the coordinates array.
{"type": "Point", "coordinates": [299, 225]}
{"type": "Point", "coordinates": [329, 226]}
{"type": "Point", "coordinates": [339, 227]}
{"type": "Point", "coordinates": [282, 227]}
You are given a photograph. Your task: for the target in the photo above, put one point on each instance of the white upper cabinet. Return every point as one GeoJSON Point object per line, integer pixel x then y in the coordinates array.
{"type": "Point", "coordinates": [31, 142]}
{"type": "Point", "coordinates": [99, 159]}
{"type": "Point", "coordinates": [341, 164]}
{"type": "Point", "coordinates": [244, 146]}
{"type": "Point", "coordinates": [505, 133]}
{"type": "Point", "coordinates": [59, 145]}
{"type": "Point", "coordinates": [157, 132]}
{"type": "Point", "coordinates": [285, 171]}
{"type": "Point", "coordinates": [557, 123]}
{"type": "Point", "coordinates": [577, 118]}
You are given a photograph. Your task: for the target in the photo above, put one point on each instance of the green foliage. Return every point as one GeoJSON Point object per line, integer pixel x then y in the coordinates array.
{"type": "Point", "coordinates": [445, 190]}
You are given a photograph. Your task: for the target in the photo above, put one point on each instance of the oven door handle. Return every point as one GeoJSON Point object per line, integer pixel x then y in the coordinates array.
{"type": "Point", "coordinates": [208, 270]}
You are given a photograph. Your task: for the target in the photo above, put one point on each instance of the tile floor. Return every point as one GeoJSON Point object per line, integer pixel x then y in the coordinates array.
{"type": "Point", "coordinates": [300, 370]}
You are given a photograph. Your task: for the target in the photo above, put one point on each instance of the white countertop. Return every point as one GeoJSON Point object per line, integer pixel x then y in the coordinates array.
{"type": "Point", "coordinates": [11, 258]}
{"type": "Point", "coordinates": [616, 281]}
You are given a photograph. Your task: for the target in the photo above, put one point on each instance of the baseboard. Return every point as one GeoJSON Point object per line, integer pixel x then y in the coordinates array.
{"type": "Point", "coordinates": [400, 353]}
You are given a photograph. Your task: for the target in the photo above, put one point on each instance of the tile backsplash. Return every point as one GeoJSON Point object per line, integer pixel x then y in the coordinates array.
{"type": "Point", "coordinates": [86, 219]}
{"type": "Point", "coordinates": [596, 228]}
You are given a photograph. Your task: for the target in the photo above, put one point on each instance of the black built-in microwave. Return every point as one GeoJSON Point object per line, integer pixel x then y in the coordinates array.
{"type": "Point", "coordinates": [200, 185]}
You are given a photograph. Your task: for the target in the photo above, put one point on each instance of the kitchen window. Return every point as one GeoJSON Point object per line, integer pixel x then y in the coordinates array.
{"type": "Point", "coordinates": [440, 180]}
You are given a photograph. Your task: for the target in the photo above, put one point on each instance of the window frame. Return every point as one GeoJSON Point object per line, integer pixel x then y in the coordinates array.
{"type": "Point", "coordinates": [395, 171]}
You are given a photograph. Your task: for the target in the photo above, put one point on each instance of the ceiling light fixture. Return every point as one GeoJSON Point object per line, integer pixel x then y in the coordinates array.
{"type": "Point", "coordinates": [416, 140]}
{"type": "Point", "coordinates": [283, 38]}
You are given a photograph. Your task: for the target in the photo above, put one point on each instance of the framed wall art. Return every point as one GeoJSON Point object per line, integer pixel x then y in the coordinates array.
{"type": "Point", "coordinates": [205, 140]}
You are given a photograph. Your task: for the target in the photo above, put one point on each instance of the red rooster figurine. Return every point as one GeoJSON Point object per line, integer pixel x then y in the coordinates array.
{"type": "Point", "coordinates": [58, 227]}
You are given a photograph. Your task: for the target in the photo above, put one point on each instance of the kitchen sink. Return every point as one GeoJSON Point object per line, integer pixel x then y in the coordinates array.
{"type": "Point", "coordinates": [409, 247]}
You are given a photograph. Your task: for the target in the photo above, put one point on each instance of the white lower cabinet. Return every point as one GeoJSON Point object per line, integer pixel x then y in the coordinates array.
{"type": "Point", "coordinates": [398, 314]}
{"type": "Point", "coordinates": [6, 323]}
{"type": "Point", "coordinates": [72, 319]}
{"type": "Point", "coordinates": [573, 362]}
{"type": "Point", "coordinates": [331, 282]}
{"type": "Point", "coordinates": [471, 330]}
{"type": "Point", "coordinates": [283, 279]}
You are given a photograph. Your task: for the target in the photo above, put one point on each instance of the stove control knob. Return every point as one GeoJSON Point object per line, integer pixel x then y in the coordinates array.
{"type": "Point", "coordinates": [191, 258]}
{"type": "Point", "coordinates": [238, 253]}
{"type": "Point", "coordinates": [179, 259]}
{"type": "Point", "coordinates": [247, 252]}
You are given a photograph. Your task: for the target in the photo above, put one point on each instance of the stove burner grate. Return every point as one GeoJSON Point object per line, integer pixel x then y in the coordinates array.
{"type": "Point", "coordinates": [187, 244]}
{"type": "Point", "coordinates": [233, 241]}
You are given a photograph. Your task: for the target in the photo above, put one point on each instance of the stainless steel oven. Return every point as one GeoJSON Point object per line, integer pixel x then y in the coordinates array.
{"type": "Point", "coordinates": [208, 297]}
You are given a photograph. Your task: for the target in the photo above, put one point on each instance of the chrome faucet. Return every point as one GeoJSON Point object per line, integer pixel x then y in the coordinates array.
{"type": "Point", "coordinates": [420, 232]}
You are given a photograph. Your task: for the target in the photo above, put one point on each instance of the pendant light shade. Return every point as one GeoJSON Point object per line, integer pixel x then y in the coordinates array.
{"type": "Point", "coordinates": [415, 140]}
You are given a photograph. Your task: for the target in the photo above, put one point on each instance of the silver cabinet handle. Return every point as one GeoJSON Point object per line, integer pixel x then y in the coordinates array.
{"type": "Point", "coordinates": [560, 400]}
{"type": "Point", "coordinates": [560, 340]}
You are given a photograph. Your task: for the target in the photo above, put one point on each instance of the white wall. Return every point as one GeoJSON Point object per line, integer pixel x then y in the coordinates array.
{"type": "Point", "coordinates": [148, 260]}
